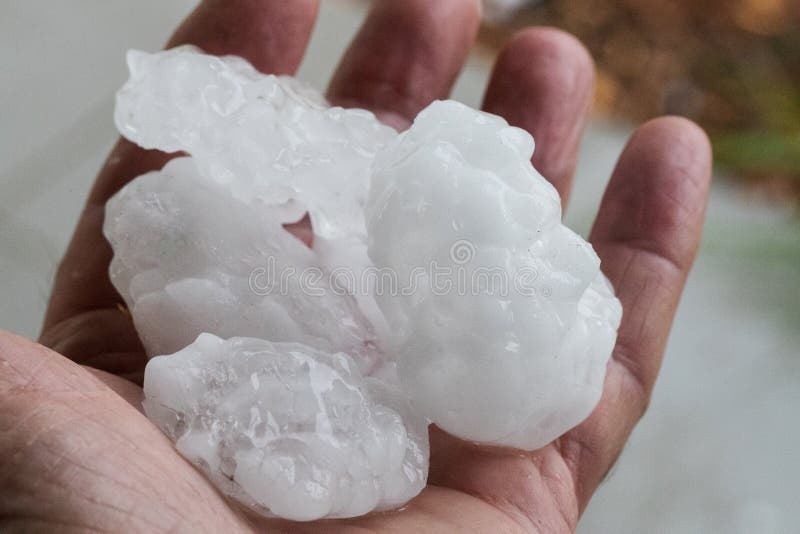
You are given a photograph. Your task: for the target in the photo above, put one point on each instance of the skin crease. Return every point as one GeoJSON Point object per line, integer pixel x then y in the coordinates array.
{"type": "Point", "coordinates": [78, 455]}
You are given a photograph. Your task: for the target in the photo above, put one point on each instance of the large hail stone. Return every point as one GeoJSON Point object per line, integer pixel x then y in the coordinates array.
{"type": "Point", "coordinates": [189, 258]}
{"type": "Point", "coordinates": [505, 338]}
{"type": "Point", "coordinates": [465, 301]}
{"type": "Point", "coordinates": [287, 429]}
{"type": "Point", "coordinates": [265, 137]}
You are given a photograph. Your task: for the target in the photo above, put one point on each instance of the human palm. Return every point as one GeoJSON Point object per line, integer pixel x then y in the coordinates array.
{"type": "Point", "coordinates": [79, 455]}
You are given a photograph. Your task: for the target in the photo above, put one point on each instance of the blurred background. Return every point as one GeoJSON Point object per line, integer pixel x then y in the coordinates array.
{"type": "Point", "coordinates": [719, 450]}
{"type": "Point", "coordinates": [733, 66]}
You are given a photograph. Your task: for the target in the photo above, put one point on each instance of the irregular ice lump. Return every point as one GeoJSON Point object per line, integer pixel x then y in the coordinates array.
{"type": "Point", "coordinates": [288, 429]}
{"type": "Point", "coordinates": [516, 354]}
{"type": "Point", "coordinates": [266, 137]}
{"type": "Point", "coordinates": [304, 400]}
{"type": "Point", "coordinates": [189, 258]}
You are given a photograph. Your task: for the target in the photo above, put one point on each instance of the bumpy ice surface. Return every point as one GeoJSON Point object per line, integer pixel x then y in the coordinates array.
{"type": "Point", "coordinates": [510, 347]}
{"type": "Point", "coordinates": [288, 429]}
{"type": "Point", "coordinates": [189, 258]}
{"type": "Point", "coordinates": [511, 351]}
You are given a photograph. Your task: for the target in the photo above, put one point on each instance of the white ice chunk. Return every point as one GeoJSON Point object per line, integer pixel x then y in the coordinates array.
{"type": "Point", "coordinates": [508, 344]}
{"type": "Point", "coordinates": [191, 258]}
{"type": "Point", "coordinates": [266, 137]}
{"type": "Point", "coordinates": [288, 430]}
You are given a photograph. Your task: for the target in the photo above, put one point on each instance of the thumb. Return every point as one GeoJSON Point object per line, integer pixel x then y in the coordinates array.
{"type": "Point", "coordinates": [78, 456]}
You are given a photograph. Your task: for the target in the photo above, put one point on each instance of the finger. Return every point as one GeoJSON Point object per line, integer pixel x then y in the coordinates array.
{"type": "Point", "coordinates": [406, 55]}
{"type": "Point", "coordinates": [271, 34]}
{"type": "Point", "coordinates": [104, 339]}
{"type": "Point", "coordinates": [646, 234]}
{"type": "Point", "coordinates": [543, 82]}
{"type": "Point", "coordinates": [68, 440]}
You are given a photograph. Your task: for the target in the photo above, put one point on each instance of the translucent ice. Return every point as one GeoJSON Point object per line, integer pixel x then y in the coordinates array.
{"type": "Point", "coordinates": [298, 398]}
{"type": "Point", "coordinates": [266, 137]}
{"type": "Point", "coordinates": [510, 347]}
{"type": "Point", "coordinates": [287, 429]}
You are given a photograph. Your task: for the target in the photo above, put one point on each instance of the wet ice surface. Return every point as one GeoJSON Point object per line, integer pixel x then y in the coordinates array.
{"type": "Point", "coordinates": [266, 138]}
{"type": "Point", "coordinates": [523, 330]}
{"type": "Point", "coordinates": [287, 429]}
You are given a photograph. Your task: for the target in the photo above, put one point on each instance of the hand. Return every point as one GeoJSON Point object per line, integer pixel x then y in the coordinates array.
{"type": "Point", "coordinates": [79, 455]}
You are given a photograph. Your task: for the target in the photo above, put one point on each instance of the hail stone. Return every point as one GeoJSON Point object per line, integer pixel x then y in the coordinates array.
{"type": "Point", "coordinates": [505, 336]}
{"type": "Point", "coordinates": [190, 258]}
{"type": "Point", "coordinates": [288, 430]}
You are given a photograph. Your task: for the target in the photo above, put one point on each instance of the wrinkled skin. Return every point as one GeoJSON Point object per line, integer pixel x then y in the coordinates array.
{"type": "Point", "coordinates": [77, 453]}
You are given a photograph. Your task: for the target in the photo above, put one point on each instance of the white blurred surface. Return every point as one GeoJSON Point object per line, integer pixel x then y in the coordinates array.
{"type": "Point", "coordinates": [719, 450]}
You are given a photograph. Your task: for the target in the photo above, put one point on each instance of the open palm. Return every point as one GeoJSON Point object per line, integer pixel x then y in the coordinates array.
{"type": "Point", "coordinates": [77, 453]}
